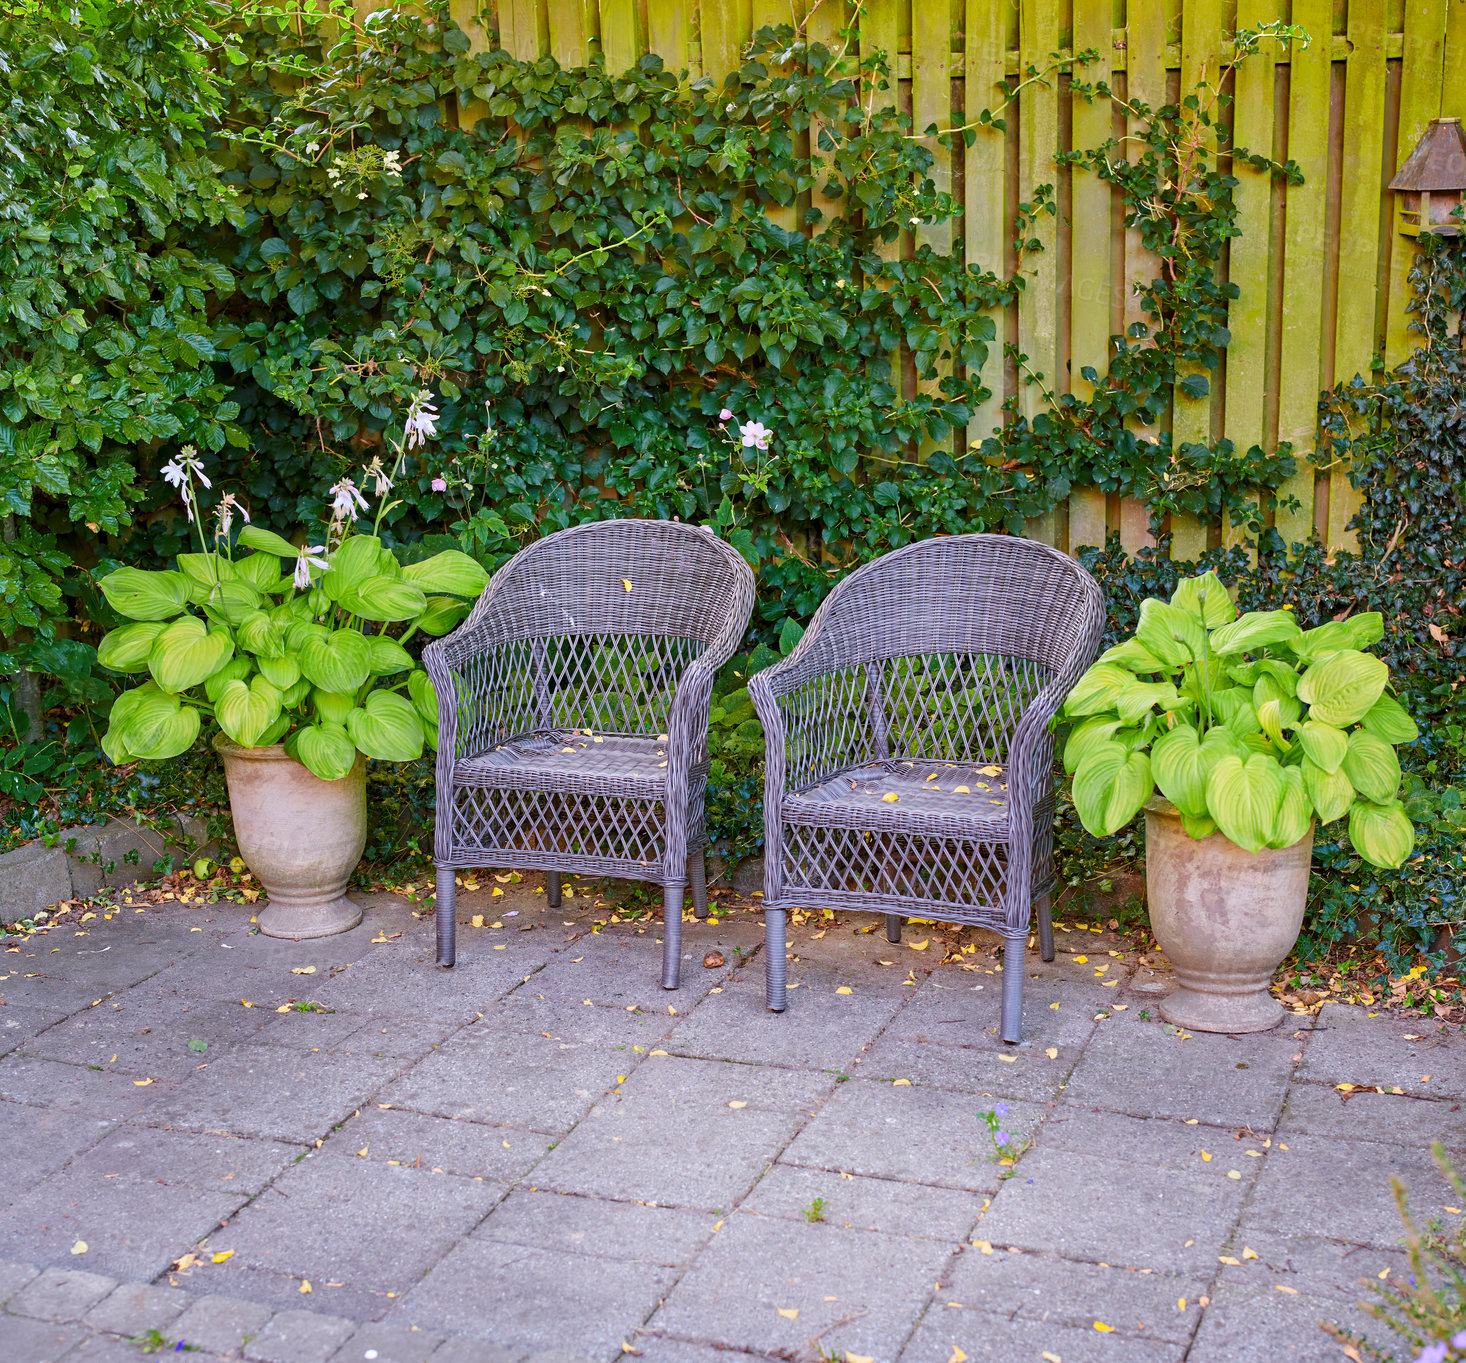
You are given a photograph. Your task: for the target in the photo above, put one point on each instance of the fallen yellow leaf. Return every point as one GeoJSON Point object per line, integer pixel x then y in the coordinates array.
{"type": "Point", "coordinates": [1050, 1358]}
{"type": "Point", "coordinates": [921, 945]}
{"type": "Point", "coordinates": [900, 1083]}
{"type": "Point", "coordinates": [788, 1312]}
{"type": "Point", "coordinates": [957, 1356]}
{"type": "Point", "coordinates": [1008, 1059]}
{"type": "Point", "coordinates": [496, 891]}
{"type": "Point", "coordinates": [364, 1149]}
{"type": "Point", "coordinates": [80, 1247]}
{"type": "Point", "coordinates": [1052, 1052]}
{"type": "Point", "coordinates": [984, 1245]}
{"type": "Point", "coordinates": [1054, 1005]}
{"type": "Point", "coordinates": [222, 1255]}
{"type": "Point", "coordinates": [1291, 1291]}
{"type": "Point", "coordinates": [844, 989]}
{"type": "Point", "coordinates": [990, 771]}
{"type": "Point", "coordinates": [738, 1102]}
{"type": "Point", "coordinates": [962, 790]}
{"type": "Point", "coordinates": [1232, 1173]}
{"type": "Point", "coordinates": [142, 1083]}
{"type": "Point", "coordinates": [1180, 1303]}
{"type": "Point", "coordinates": [1205, 1156]}
{"type": "Point", "coordinates": [283, 1008]}
{"type": "Point", "coordinates": [1103, 1328]}
{"type": "Point", "coordinates": [1081, 959]}
{"type": "Point", "coordinates": [1228, 1259]}
{"type": "Point", "coordinates": [859, 1358]}
{"type": "Point", "coordinates": [477, 920]}
{"type": "Point", "coordinates": [1383, 1274]}
{"type": "Point", "coordinates": [302, 970]}
{"type": "Point", "coordinates": [246, 1003]}
{"type": "Point", "coordinates": [891, 798]}
{"type": "Point", "coordinates": [1248, 1253]}
{"type": "Point", "coordinates": [305, 1286]}
{"type": "Point", "coordinates": [626, 582]}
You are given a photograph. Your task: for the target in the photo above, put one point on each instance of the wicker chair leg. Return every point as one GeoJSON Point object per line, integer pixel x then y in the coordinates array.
{"type": "Point", "coordinates": [1013, 965]}
{"type": "Point", "coordinates": [893, 927]}
{"type": "Point", "coordinates": [697, 873]}
{"type": "Point", "coordinates": [554, 888]}
{"type": "Point", "coordinates": [447, 895]}
{"type": "Point", "coordinates": [775, 964]}
{"type": "Point", "coordinates": [672, 934]}
{"type": "Point", "coordinates": [1045, 913]}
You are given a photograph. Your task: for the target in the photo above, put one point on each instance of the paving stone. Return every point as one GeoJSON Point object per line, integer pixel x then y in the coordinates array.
{"type": "Point", "coordinates": [825, 1031]}
{"type": "Point", "coordinates": [364, 1221]}
{"type": "Point", "coordinates": [1138, 1068]}
{"type": "Point", "coordinates": [110, 1349]}
{"type": "Point", "coordinates": [1315, 1110]}
{"type": "Point", "coordinates": [225, 977]}
{"type": "Point", "coordinates": [604, 1229]}
{"type": "Point", "coordinates": [915, 1135]}
{"type": "Point", "coordinates": [1309, 1264]}
{"type": "Point", "coordinates": [866, 1203]}
{"type": "Point", "coordinates": [38, 1141]}
{"type": "Point", "coordinates": [1073, 1293]}
{"type": "Point", "coordinates": [1168, 1144]}
{"type": "Point", "coordinates": [507, 1077]}
{"type": "Point", "coordinates": [136, 1307]}
{"type": "Point", "coordinates": [419, 989]}
{"type": "Point", "coordinates": [274, 1092]}
{"type": "Point", "coordinates": [133, 1229]}
{"type": "Point", "coordinates": [626, 972]}
{"type": "Point", "coordinates": [61, 1294]}
{"type": "Point", "coordinates": [502, 1154]}
{"type": "Point", "coordinates": [220, 1323]}
{"type": "Point", "coordinates": [995, 1339]}
{"type": "Point", "coordinates": [993, 1070]}
{"type": "Point", "coordinates": [534, 1299]}
{"type": "Point", "coordinates": [29, 983]}
{"type": "Point", "coordinates": [408, 1038]}
{"type": "Point", "coordinates": [1350, 1047]}
{"type": "Point", "coordinates": [716, 1083]}
{"type": "Point", "coordinates": [36, 1341]}
{"type": "Point", "coordinates": [1341, 1190]}
{"type": "Point", "coordinates": [75, 1088]}
{"type": "Point", "coordinates": [388, 1344]}
{"type": "Point", "coordinates": [1130, 1214]}
{"type": "Point", "coordinates": [657, 1350]}
{"type": "Point", "coordinates": [563, 1019]}
{"type": "Point", "coordinates": [312, 1031]}
{"type": "Point", "coordinates": [462, 1349]}
{"type": "Point", "coordinates": [757, 1267]}
{"type": "Point", "coordinates": [18, 1023]}
{"type": "Point", "coordinates": [214, 1163]}
{"type": "Point", "coordinates": [299, 1337]}
{"type": "Point", "coordinates": [282, 1291]}
{"type": "Point", "coordinates": [1252, 1325]}
{"type": "Point", "coordinates": [13, 1277]}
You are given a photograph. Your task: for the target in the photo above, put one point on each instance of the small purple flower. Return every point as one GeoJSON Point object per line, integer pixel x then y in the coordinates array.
{"type": "Point", "coordinates": [1458, 1341]}
{"type": "Point", "coordinates": [1002, 1137]}
{"type": "Point", "coordinates": [725, 415]}
{"type": "Point", "coordinates": [440, 485]}
{"type": "Point", "coordinates": [1432, 1353]}
{"type": "Point", "coordinates": [1000, 1110]}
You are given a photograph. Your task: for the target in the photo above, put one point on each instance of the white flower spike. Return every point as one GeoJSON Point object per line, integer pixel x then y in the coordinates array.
{"type": "Point", "coordinates": [310, 557]}
{"type": "Point", "coordinates": [422, 420]}
{"type": "Point", "coordinates": [349, 501]}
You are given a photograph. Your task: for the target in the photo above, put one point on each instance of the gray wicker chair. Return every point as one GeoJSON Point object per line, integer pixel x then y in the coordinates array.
{"type": "Point", "coordinates": [910, 765]}
{"type": "Point", "coordinates": [573, 712]}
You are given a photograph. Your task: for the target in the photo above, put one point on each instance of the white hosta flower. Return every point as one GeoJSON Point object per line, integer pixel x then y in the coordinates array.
{"type": "Point", "coordinates": [754, 434]}
{"type": "Point", "coordinates": [381, 484]}
{"type": "Point", "coordinates": [310, 557]}
{"type": "Point", "coordinates": [228, 505]}
{"type": "Point", "coordinates": [348, 500]}
{"type": "Point", "coordinates": [173, 473]}
{"type": "Point", "coordinates": [185, 465]}
{"type": "Point", "coordinates": [422, 420]}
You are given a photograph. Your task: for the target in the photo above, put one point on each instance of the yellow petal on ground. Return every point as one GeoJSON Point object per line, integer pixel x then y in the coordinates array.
{"type": "Point", "coordinates": [1103, 1328]}
{"type": "Point", "coordinates": [1055, 1005]}
{"type": "Point", "coordinates": [788, 1312]}
{"type": "Point", "coordinates": [984, 1245]}
{"type": "Point", "coordinates": [961, 790]}
{"type": "Point", "coordinates": [142, 1083]}
{"type": "Point", "coordinates": [1248, 1253]}
{"type": "Point", "coordinates": [1050, 1358]}
{"type": "Point", "coordinates": [957, 1356]}
{"type": "Point", "coordinates": [1232, 1173]}
{"type": "Point", "coordinates": [900, 1083]}
{"type": "Point", "coordinates": [302, 970]}
{"type": "Point", "coordinates": [1206, 1157]}
{"type": "Point", "coordinates": [1052, 1052]}
{"type": "Point", "coordinates": [80, 1247]}
{"type": "Point", "coordinates": [477, 920]}
{"type": "Point", "coordinates": [932, 777]}
{"type": "Point", "coordinates": [1080, 960]}
{"type": "Point", "coordinates": [1344, 1088]}
{"type": "Point", "coordinates": [1008, 1059]}
{"type": "Point", "coordinates": [1108, 984]}
{"type": "Point", "coordinates": [844, 989]}
{"type": "Point", "coordinates": [364, 1149]}
{"type": "Point", "coordinates": [495, 892]}
{"type": "Point", "coordinates": [305, 1286]}
{"type": "Point", "coordinates": [1291, 1291]}
{"type": "Point", "coordinates": [991, 771]}
{"type": "Point", "coordinates": [738, 1102]}
{"type": "Point", "coordinates": [921, 945]}
{"type": "Point", "coordinates": [626, 582]}
{"type": "Point", "coordinates": [1180, 1303]}
{"type": "Point", "coordinates": [1383, 1274]}
{"type": "Point", "coordinates": [859, 1358]}
{"type": "Point", "coordinates": [890, 799]}
{"type": "Point", "coordinates": [246, 1003]}
{"type": "Point", "coordinates": [283, 1008]}
{"type": "Point", "coordinates": [222, 1255]}
{"type": "Point", "coordinates": [1229, 1260]}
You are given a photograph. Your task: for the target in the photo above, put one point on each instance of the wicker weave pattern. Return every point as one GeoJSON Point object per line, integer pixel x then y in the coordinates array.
{"type": "Point", "coordinates": [909, 761]}
{"type": "Point", "coordinates": [573, 711]}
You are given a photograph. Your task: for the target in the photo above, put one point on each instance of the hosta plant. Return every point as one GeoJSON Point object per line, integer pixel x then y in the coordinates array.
{"type": "Point", "coordinates": [300, 644]}
{"type": "Point", "coordinates": [1246, 723]}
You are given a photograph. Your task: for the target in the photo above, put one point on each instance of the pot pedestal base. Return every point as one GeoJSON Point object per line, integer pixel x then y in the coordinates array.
{"type": "Point", "coordinates": [1199, 1011]}
{"type": "Point", "coordinates": [301, 921]}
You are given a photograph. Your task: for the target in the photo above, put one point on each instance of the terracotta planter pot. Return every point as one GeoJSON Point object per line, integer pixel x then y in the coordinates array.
{"type": "Point", "coordinates": [302, 837]}
{"type": "Point", "coordinates": [1225, 919]}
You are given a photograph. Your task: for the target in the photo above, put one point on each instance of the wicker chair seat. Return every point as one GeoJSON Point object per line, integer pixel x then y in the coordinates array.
{"type": "Point", "coordinates": [857, 798]}
{"type": "Point", "coordinates": [633, 765]}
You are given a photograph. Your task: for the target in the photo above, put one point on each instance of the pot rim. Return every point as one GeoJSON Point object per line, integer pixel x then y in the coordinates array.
{"type": "Point", "coordinates": [271, 752]}
{"type": "Point", "coordinates": [1162, 808]}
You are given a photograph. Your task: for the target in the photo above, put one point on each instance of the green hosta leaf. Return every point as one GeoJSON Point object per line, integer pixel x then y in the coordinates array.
{"type": "Point", "coordinates": [152, 723]}
{"type": "Point", "coordinates": [1386, 719]}
{"type": "Point", "coordinates": [325, 750]}
{"type": "Point", "coordinates": [336, 661]}
{"type": "Point", "coordinates": [1273, 715]}
{"type": "Point", "coordinates": [280, 672]}
{"type": "Point", "coordinates": [262, 635]}
{"type": "Point", "coordinates": [1110, 787]}
{"type": "Point", "coordinates": [299, 629]}
{"type": "Point", "coordinates": [1139, 698]}
{"type": "Point", "coordinates": [186, 653]}
{"type": "Point", "coordinates": [1357, 632]}
{"type": "Point", "coordinates": [387, 727]}
{"type": "Point", "coordinates": [1205, 598]}
{"type": "Point", "coordinates": [295, 693]}
{"type": "Point", "coordinates": [1381, 833]}
{"type": "Point", "coordinates": [236, 669]}
{"type": "Point", "coordinates": [1180, 763]}
{"type": "Point", "coordinates": [1224, 743]}
{"type": "Point", "coordinates": [1084, 737]}
{"type": "Point", "coordinates": [386, 656]}
{"type": "Point", "coordinates": [450, 572]}
{"type": "Point", "coordinates": [1252, 631]}
{"type": "Point", "coordinates": [205, 569]}
{"type": "Point", "coordinates": [228, 603]}
{"type": "Point", "coordinates": [382, 598]}
{"type": "Point", "coordinates": [141, 595]}
{"type": "Point", "coordinates": [1097, 689]}
{"type": "Point", "coordinates": [1343, 688]}
{"type": "Point", "coordinates": [1133, 656]}
{"type": "Point", "coordinates": [1324, 744]}
{"type": "Point", "coordinates": [126, 649]}
{"type": "Point", "coordinates": [1295, 812]}
{"type": "Point", "coordinates": [246, 713]}
{"type": "Point", "coordinates": [1259, 743]}
{"type": "Point", "coordinates": [1372, 767]}
{"type": "Point", "coordinates": [1235, 709]}
{"type": "Point", "coordinates": [332, 706]}
{"type": "Point", "coordinates": [255, 537]}
{"type": "Point", "coordinates": [352, 564]}
{"type": "Point", "coordinates": [276, 731]}
{"type": "Point", "coordinates": [442, 614]}
{"type": "Point", "coordinates": [262, 572]}
{"type": "Point", "coordinates": [1203, 827]}
{"type": "Point", "coordinates": [1244, 798]}
{"type": "Point", "coordinates": [1329, 791]}
{"type": "Point", "coordinates": [424, 697]}
{"type": "Point", "coordinates": [1167, 632]}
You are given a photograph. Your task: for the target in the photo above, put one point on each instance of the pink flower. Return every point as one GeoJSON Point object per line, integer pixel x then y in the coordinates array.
{"type": "Point", "coordinates": [725, 415]}
{"type": "Point", "coordinates": [440, 485]}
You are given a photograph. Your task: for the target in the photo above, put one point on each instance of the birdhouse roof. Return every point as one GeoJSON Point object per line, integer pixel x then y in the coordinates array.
{"type": "Point", "coordinates": [1438, 161]}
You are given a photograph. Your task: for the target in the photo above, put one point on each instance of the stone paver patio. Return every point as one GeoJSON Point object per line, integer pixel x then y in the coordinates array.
{"type": "Point", "coordinates": [543, 1155]}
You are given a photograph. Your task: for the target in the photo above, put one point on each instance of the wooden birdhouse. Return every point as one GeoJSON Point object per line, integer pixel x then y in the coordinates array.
{"type": "Point", "coordinates": [1430, 185]}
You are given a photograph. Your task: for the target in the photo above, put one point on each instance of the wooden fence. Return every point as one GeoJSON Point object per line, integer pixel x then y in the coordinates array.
{"type": "Point", "coordinates": [1321, 269]}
